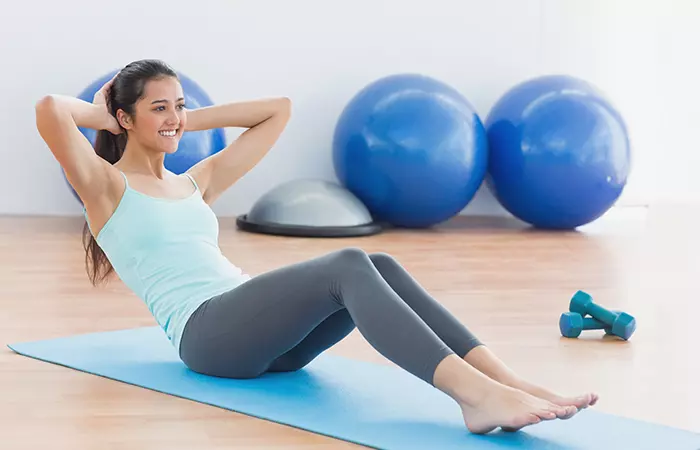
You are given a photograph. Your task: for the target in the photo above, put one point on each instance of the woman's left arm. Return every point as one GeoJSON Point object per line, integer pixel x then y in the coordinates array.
{"type": "Point", "coordinates": [265, 120]}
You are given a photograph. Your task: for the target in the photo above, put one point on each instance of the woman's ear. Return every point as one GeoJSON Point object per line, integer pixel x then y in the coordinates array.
{"type": "Point", "coordinates": [124, 119]}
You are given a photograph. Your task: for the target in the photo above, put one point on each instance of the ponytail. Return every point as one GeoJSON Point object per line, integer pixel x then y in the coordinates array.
{"type": "Point", "coordinates": [109, 147]}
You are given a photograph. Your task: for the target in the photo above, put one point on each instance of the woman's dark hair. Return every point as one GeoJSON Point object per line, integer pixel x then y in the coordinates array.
{"type": "Point", "coordinates": [127, 88]}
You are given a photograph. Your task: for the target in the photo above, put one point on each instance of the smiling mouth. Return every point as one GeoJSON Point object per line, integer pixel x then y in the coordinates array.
{"type": "Point", "coordinates": [168, 133]}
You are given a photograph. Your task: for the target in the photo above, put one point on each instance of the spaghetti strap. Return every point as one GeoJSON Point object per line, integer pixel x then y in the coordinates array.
{"type": "Point", "coordinates": [125, 179]}
{"type": "Point", "coordinates": [196, 186]}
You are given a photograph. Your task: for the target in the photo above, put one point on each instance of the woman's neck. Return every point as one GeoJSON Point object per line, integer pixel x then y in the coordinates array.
{"type": "Point", "coordinates": [137, 159]}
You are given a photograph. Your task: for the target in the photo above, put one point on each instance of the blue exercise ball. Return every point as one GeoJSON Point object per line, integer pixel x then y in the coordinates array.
{"type": "Point", "coordinates": [193, 147]}
{"type": "Point", "coordinates": [559, 152]}
{"type": "Point", "coordinates": [412, 149]}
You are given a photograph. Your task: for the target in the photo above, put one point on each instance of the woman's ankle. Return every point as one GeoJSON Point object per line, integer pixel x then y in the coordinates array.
{"type": "Point", "coordinates": [486, 362]}
{"type": "Point", "coordinates": [462, 382]}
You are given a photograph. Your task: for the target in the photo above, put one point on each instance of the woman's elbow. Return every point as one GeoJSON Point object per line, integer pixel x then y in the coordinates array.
{"type": "Point", "coordinates": [285, 105]}
{"type": "Point", "coordinates": [45, 103]}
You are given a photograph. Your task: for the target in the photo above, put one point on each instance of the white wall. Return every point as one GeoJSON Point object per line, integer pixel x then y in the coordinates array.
{"type": "Point", "coordinates": [320, 53]}
{"type": "Point", "coordinates": [677, 157]}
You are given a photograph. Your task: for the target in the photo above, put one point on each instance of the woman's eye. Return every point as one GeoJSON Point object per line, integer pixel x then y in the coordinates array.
{"type": "Point", "coordinates": [162, 108]}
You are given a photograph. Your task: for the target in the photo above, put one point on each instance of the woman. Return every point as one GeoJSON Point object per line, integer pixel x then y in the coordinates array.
{"type": "Point", "coordinates": [156, 230]}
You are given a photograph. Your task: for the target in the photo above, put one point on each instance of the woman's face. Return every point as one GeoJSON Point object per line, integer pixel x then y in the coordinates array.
{"type": "Point", "coordinates": [159, 116]}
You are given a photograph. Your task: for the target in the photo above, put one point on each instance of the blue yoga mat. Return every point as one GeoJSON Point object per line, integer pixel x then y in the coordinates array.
{"type": "Point", "coordinates": [370, 404]}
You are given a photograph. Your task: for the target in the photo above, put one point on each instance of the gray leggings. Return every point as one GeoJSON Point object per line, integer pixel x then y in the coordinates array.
{"type": "Point", "coordinates": [281, 320]}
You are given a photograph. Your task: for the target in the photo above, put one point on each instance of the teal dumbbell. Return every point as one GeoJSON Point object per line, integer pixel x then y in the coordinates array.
{"type": "Point", "coordinates": [621, 324]}
{"type": "Point", "coordinates": [572, 323]}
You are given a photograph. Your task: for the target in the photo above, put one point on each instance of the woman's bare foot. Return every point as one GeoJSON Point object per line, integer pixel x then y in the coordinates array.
{"type": "Point", "coordinates": [510, 409]}
{"type": "Point", "coordinates": [487, 404]}
{"type": "Point", "coordinates": [488, 363]}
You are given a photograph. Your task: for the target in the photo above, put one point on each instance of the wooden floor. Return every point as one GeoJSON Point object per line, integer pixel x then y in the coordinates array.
{"type": "Point", "coordinates": [507, 283]}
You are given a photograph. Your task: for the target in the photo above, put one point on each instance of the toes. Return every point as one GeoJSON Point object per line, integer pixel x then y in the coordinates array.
{"type": "Point", "coordinates": [587, 399]}
{"type": "Point", "coordinates": [570, 412]}
{"type": "Point", "coordinates": [557, 409]}
{"type": "Point", "coordinates": [584, 401]}
{"type": "Point", "coordinates": [594, 399]}
{"type": "Point", "coordinates": [562, 412]}
{"type": "Point", "coordinates": [533, 419]}
{"type": "Point", "coordinates": [546, 414]}
{"type": "Point", "coordinates": [581, 402]}
{"type": "Point", "coordinates": [565, 412]}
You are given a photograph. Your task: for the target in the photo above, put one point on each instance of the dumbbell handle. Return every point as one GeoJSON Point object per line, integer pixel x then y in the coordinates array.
{"type": "Point", "coordinates": [589, 323]}
{"type": "Point", "coordinates": [603, 315]}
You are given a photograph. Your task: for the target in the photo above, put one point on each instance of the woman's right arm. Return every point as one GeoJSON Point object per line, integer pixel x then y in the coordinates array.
{"type": "Point", "coordinates": [58, 118]}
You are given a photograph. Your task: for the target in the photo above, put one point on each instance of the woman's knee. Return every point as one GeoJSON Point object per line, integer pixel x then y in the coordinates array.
{"type": "Point", "coordinates": [385, 263]}
{"type": "Point", "coordinates": [354, 256]}
{"type": "Point", "coordinates": [380, 258]}
{"type": "Point", "coordinates": [351, 256]}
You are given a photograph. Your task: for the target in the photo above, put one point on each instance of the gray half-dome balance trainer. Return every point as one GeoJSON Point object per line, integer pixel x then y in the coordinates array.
{"type": "Point", "coordinates": [309, 208]}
